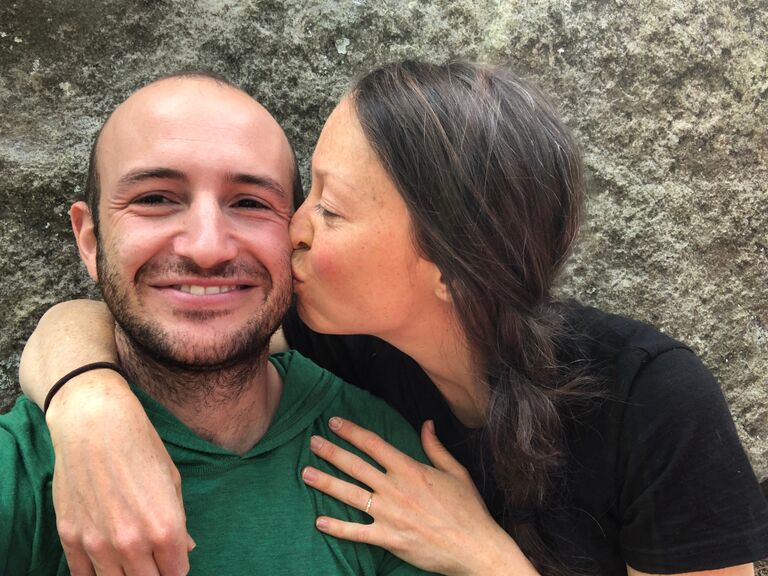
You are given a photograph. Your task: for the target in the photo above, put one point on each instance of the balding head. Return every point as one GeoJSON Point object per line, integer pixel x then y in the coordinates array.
{"type": "Point", "coordinates": [195, 198]}
{"type": "Point", "coordinates": [192, 87]}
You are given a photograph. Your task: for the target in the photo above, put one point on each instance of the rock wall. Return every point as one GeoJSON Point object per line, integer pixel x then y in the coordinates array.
{"type": "Point", "coordinates": [668, 99]}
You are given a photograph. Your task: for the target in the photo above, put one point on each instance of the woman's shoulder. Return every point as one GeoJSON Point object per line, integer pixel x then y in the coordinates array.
{"type": "Point", "coordinates": [660, 451]}
{"type": "Point", "coordinates": [605, 333]}
{"type": "Point", "coordinates": [617, 349]}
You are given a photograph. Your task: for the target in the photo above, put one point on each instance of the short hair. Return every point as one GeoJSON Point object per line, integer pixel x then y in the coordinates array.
{"type": "Point", "coordinates": [92, 192]}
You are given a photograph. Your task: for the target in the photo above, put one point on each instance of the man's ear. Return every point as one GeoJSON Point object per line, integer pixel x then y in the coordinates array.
{"type": "Point", "coordinates": [85, 236]}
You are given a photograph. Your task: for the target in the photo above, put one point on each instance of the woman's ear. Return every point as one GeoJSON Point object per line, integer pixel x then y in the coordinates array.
{"type": "Point", "coordinates": [441, 288]}
{"type": "Point", "coordinates": [85, 236]}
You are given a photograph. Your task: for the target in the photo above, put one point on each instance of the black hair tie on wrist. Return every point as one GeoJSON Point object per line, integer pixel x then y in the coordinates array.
{"type": "Point", "coordinates": [76, 372]}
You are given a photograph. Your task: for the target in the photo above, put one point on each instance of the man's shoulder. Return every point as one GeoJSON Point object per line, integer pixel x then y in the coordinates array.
{"type": "Point", "coordinates": [334, 397]}
{"type": "Point", "coordinates": [27, 520]}
{"type": "Point", "coordinates": [25, 437]}
{"type": "Point", "coordinates": [24, 420]}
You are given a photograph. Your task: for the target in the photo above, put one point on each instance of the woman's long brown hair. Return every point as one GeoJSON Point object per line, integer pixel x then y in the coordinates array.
{"type": "Point", "coordinates": [493, 182]}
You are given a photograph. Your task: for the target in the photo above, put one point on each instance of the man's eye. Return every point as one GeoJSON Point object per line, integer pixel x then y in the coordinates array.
{"type": "Point", "coordinates": [152, 199]}
{"type": "Point", "coordinates": [250, 203]}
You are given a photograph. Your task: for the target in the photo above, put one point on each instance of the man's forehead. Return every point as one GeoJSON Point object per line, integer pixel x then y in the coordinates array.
{"type": "Point", "coordinates": [183, 97]}
{"type": "Point", "coordinates": [183, 113]}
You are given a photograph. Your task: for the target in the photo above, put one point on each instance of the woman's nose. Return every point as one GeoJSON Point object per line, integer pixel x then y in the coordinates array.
{"type": "Point", "coordinates": [301, 228]}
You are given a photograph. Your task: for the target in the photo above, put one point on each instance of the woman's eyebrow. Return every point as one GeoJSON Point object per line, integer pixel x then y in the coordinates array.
{"type": "Point", "coordinates": [335, 177]}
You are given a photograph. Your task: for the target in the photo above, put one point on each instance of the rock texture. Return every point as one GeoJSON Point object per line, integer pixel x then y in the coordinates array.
{"type": "Point", "coordinates": [668, 99]}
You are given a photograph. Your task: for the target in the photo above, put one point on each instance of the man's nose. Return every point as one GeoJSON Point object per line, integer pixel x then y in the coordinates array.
{"type": "Point", "coordinates": [301, 228]}
{"type": "Point", "coordinates": [207, 237]}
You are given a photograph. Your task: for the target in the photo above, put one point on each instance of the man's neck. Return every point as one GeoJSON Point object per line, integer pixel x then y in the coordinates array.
{"type": "Point", "coordinates": [231, 407]}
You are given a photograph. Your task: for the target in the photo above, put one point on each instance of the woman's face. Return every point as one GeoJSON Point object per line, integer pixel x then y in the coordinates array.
{"type": "Point", "coordinates": [355, 267]}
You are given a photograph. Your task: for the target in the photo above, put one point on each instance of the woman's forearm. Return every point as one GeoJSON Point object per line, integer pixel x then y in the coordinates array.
{"type": "Point", "coordinates": [68, 335]}
{"type": "Point", "coordinates": [92, 419]}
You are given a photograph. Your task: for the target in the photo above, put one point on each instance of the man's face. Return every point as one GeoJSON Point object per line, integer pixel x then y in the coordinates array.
{"type": "Point", "coordinates": [193, 257]}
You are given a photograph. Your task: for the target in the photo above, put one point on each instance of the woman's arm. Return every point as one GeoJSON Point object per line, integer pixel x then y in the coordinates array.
{"type": "Point", "coordinates": [433, 518]}
{"type": "Point", "coordinates": [69, 335]}
{"type": "Point", "coordinates": [72, 334]}
{"type": "Point", "coordinates": [116, 491]}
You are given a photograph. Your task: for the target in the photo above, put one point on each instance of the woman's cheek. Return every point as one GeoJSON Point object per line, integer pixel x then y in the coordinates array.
{"type": "Point", "coordinates": [328, 264]}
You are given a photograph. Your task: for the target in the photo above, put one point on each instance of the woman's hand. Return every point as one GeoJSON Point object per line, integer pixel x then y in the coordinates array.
{"type": "Point", "coordinates": [116, 491]}
{"type": "Point", "coordinates": [433, 518]}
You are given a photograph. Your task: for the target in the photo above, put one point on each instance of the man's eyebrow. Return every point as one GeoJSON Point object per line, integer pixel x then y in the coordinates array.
{"type": "Point", "coordinates": [136, 176]}
{"type": "Point", "coordinates": [260, 181]}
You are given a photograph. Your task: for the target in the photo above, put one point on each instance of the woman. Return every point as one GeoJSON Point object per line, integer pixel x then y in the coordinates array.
{"type": "Point", "coordinates": [445, 200]}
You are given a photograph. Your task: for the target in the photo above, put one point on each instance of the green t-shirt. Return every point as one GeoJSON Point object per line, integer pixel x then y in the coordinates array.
{"type": "Point", "coordinates": [249, 514]}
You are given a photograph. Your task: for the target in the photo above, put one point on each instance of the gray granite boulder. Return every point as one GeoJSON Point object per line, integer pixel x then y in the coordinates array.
{"type": "Point", "coordinates": [668, 102]}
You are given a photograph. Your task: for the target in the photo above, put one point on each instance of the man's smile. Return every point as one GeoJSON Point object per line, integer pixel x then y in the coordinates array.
{"type": "Point", "coordinates": [198, 290]}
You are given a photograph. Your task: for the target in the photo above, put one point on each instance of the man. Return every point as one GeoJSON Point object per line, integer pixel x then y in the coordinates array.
{"type": "Point", "coordinates": [185, 229]}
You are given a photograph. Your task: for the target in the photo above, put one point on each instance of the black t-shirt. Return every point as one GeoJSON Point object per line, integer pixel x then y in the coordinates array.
{"type": "Point", "coordinates": [655, 477]}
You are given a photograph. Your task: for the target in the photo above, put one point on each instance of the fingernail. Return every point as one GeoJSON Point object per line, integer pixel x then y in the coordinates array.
{"type": "Point", "coordinates": [334, 423]}
{"type": "Point", "coordinates": [316, 442]}
{"type": "Point", "coordinates": [321, 523]}
{"type": "Point", "coordinates": [431, 426]}
{"type": "Point", "coordinates": [309, 475]}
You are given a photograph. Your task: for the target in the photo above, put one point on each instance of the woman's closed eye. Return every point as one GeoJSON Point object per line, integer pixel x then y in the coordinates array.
{"type": "Point", "coordinates": [325, 213]}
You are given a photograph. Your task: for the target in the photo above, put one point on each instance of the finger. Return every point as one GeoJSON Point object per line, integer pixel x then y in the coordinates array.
{"type": "Point", "coordinates": [171, 562]}
{"type": "Point", "coordinates": [171, 552]}
{"type": "Point", "coordinates": [366, 533]}
{"type": "Point", "coordinates": [110, 569]}
{"type": "Point", "coordinates": [344, 460]}
{"type": "Point", "coordinates": [91, 556]}
{"type": "Point", "coordinates": [105, 564]}
{"type": "Point", "coordinates": [346, 492]}
{"type": "Point", "coordinates": [372, 444]}
{"type": "Point", "coordinates": [78, 562]}
{"type": "Point", "coordinates": [145, 566]}
{"type": "Point", "coordinates": [438, 454]}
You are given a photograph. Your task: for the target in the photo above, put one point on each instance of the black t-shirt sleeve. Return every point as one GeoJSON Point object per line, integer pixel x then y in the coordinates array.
{"type": "Point", "coordinates": [688, 497]}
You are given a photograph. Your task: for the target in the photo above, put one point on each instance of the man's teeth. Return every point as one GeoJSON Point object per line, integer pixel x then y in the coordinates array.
{"type": "Point", "coordinates": [201, 290]}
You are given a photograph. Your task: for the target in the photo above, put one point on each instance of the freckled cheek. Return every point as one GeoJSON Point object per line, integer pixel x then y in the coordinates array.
{"type": "Point", "coordinates": [324, 265]}
{"type": "Point", "coordinates": [331, 266]}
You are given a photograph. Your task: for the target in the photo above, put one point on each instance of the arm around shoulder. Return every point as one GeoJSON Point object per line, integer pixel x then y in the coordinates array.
{"type": "Point", "coordinates": [69, 335]}
{"type": "Point", "coordinates": [103, 493]}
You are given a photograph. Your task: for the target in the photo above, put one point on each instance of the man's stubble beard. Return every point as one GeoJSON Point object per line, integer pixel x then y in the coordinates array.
{"type": "Point", "coordinates": [185, 372]}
